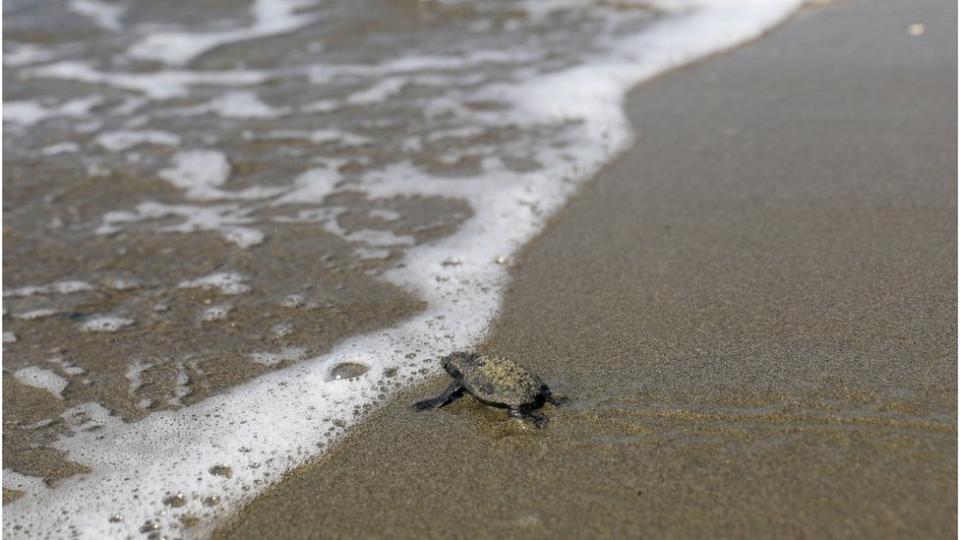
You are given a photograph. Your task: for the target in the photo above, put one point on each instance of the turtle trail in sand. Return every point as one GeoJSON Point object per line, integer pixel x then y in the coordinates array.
{"type": "Point", "coordinates": [495, 381]}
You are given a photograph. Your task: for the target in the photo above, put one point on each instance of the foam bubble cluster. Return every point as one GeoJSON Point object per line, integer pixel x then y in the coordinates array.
{"type": "Point", "coordinates": [106, 323]}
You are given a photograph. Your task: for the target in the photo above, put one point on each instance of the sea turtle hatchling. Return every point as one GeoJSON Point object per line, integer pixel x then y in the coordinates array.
{"type": "Point", "coordinates": [496, 381]}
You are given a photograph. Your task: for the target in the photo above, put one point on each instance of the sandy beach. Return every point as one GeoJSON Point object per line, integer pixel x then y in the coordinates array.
{"type": "Point", "coordinates": [752, 312]}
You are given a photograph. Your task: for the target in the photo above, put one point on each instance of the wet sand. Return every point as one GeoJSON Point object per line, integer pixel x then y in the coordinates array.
{"type": "Point", "coordinates": [753, 313]}
{"type": "Point", "coordinates": [169, 339]}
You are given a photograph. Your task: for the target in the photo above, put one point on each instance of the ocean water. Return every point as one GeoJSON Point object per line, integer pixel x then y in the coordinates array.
{"type": "Point", "coordinates": [233, 228]}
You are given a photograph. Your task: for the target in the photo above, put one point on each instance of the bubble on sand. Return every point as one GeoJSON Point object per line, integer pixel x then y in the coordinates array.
{"type": "Point", "coordinates": [198, 172]}
{"type": "Point", "coordinates": [347, 370]}
{"type": "Point", "coordinates": [216, 313]}
{"type": "Point", "coordinates": [121, 284]}
{"type": "Point", "coordinates": [106, 324]}
{"type": "Point", "coordinates": [293, 301]}
{"type": "Point", "coordinates": [221, 470]}
{"type": "Point", "coordinates": [228, 283]}
{"type": "Point", "coordinates": [176, 500]}
{"type": "Point", "coordinates": [36, 314]}
{"type": "Point", "coordinates": [281, 330]}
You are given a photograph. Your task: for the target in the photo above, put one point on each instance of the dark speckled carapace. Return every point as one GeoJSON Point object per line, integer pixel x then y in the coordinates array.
{"type": "Point", "coordinates": [496, 381]}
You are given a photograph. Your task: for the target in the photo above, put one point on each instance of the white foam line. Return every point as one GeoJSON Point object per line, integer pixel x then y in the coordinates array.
{"type": "Point", "coordinates": [156, 85]}
{"type": "Point", "coordinates": [271, 17]}
{"type": "Point", "coordinates": [59, 287]}
{"type": "Point", "coordinates": [311, 186]}
{"type": "Point", "coordinates": [35, 314]}
{"type": "Point", "coordinates": [116, 141]}
{"type": "Point", "coordinates": [229, 220]}
{"type": "Point", "coordinates": [229, 283]}
{"type": "Point", "coordinates": [238, 104]}
{"type": "Point", "coordinates": [28, 113]}
{"type": "Point", "coordinates": [322, 73]}
{"type": "Point", "coordinates": [102, 14]}
{"type": "Point", "coordinates": [277, 421]}
{"type": "Point", "coordinates": [60, 148]}
{"type": "Point", "coordinates": [380, 91]}
{"type": "Point", "coordinates": [24, 54]}
{"type": "Point", "coordinates": [201, 173]}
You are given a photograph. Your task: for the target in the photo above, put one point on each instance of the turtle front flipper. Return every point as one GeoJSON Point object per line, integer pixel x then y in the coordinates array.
{"type": "Point", "coordinates": [452, 393]}
{"type": "Point", "coordinates": [529, 414]}
{"type": "Point", "coordinates": [550, 398]}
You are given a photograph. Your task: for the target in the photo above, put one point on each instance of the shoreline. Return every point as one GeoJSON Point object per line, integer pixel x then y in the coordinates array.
{"type": "Point", "coordinates": [752, 311]}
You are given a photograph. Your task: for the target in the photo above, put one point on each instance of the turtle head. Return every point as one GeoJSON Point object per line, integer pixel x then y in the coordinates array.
{"type": "Point", "coordinates": [454, 363]}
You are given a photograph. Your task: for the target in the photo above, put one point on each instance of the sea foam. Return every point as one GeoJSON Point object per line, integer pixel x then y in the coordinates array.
{"type": "Point", "coordinates": [41, 378]}
{"type": "Point", "coordinates": [270, 17]}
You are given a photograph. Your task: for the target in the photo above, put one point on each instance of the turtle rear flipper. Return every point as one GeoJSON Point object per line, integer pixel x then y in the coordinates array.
{"type": "Point", "coordinates": [531, 415]}
{"type": "Point", "coordinates": [452, 393]}
{"type": "Point", "coordinates": [550, 398]}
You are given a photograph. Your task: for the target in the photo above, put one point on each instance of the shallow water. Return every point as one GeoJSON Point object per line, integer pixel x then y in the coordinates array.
{"type": "Point", "coordinates": [230, 229]}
